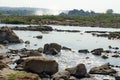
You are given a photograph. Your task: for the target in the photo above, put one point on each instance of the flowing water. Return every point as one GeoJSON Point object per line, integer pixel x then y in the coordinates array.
{"type": "Point", "coordinates": [75, 41]}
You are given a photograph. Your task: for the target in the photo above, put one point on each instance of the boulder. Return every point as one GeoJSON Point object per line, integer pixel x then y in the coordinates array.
{"type": "Point", "coordinates": [103, 69]}
{"type": "Point", "coordinates": [8, 36]}
{"type": "Point", "coordinates": [27, 42]}
{"type": "Point", "coordinates": [27, 76]}
{"type": "Point", "coordinates": [65, 75]}
{"type": "Point", "coordinates": [39, 65]}
{"type": "Point", "coordinates": [2, 46]}
{"type": "Point", "coordinates": [39, 37]}
{"type": "Point", "coordinates": [79, 71]}
{"type": "Point", "coordinates": [97, 51]}
{"type": "Point", "coordinates": [52, 48]}
{"type": "Point", "coordinates": [83, 51]}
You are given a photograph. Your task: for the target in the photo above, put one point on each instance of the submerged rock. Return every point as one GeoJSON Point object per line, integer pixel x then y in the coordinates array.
{"type": "Point", "coordinates": [8, 36]}
{"type": "Point", "coordinates": [103, 69]}
{"type": "Point", "coordinates": [39, 65]}
{"type": "Point", "coordinates": [66, 48]}
{"type": "Point", "coordinates": [52, 48]}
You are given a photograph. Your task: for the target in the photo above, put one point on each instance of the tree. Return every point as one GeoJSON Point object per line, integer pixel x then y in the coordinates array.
{"type": "Point", "coordinates": [109, 11]}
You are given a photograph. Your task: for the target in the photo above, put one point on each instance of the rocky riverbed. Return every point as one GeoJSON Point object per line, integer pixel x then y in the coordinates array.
{"type": "Point", "coordinates": [57, 57]}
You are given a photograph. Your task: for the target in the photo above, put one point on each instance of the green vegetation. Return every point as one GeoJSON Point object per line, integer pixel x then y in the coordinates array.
{"type": "Point", "coordinates": [101, 20]}
{"type": "Point", "coordinates": [12, 76]}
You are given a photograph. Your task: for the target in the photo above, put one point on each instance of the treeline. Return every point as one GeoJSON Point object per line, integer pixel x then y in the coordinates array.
{"type": "Point", "coordinates": [94, 20]}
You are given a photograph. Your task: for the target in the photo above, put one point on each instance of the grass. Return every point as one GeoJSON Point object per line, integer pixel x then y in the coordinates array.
{"type": "Point", "coordinates": [12, 76]}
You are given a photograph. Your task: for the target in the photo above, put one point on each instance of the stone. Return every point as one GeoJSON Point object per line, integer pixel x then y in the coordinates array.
{"type": "Point", "coordinates": [3, 65]}
{"type": "Point", "coordinates": [66, 48]}
{"type": "Point", "coordinates": [39, 64]}
{"type": "Point", "coordinates": [52, 48]}
{"type": "Point", "coordinates": [103, 69]}
{"type": "Point", "coordinates": [83, 51]}
{"type": "Point", "coordinates": [97, 51]}
{"type": "Point", "coordinates": [65, 75]}
{"type": "Point", "coordinates": [78, 71]}
{"type": "Point", "coordinates": [8, 36]}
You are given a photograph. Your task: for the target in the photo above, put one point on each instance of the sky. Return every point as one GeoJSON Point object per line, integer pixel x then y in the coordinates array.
{"type": "Point", "coordinates": [95, 5]}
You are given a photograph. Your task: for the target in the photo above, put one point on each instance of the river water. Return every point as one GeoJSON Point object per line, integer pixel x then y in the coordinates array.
{"type": "Point", "coordinates": [75, 41]}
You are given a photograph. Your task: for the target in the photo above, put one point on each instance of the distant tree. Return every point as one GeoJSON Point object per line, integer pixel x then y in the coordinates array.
{"type": "Point", "coordinates": [109, 11]}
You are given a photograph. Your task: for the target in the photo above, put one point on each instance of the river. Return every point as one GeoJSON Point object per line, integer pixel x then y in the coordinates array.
{"type": "Point", "coordinates": [75, 41]}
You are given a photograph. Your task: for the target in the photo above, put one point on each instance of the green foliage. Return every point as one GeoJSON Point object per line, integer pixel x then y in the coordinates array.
{"type": "Point", "coordinates": [12, 76]}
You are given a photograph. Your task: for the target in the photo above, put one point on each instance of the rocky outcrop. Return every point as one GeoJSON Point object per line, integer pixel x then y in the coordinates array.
{"type": "Point", "coordinates": [34, 28]}
{"type": "Point", "coordinates": [52, 48]}
{"type": "Point", "coordinates": [97, 51]}
{"type": "Point", "coordinates": [79, 71]}
{"type": "Point", "coordinates": [104, 69]}
{"type": "Point", "coordinates": [8, 36]}
{"type": "Point", "coordinates": [65, 75]}
{"type": "Point", "coordinates": [39, 65]}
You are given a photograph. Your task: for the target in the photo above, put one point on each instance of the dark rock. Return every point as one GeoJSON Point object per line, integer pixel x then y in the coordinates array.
{"type": "Point", "coordinates": [97, 51]}
{"type": "Point", "coordinates": [27, 42]}
{"type": "Point", "coordinates": [39, 65]}
{"type": "Point", "coordinates": [116, 56]}
{"type": "Point", "coordinates": [104, 69]}
{"type": "Point", "coordinates": [65, 75]}
{"type": "Point", "coordinates": [104, 57]}
{"type": "Point", "coordinates": [110, 47]}
{"type": "Point", "coordinates": [117, 78]}
{"type": "Point", "coordinates": [83, 51]}
{"type": "Point", "coordinates": [66, 48]}
{"type": "Point", "coordinates": [39, 37]}
{"type": "Point", "coordinates": [40, 50]}
{"type": "Point", "coordinates": [79, 71]}
{"type": "Point", "coordinates": [8, 36]}
{"type": "Point", "coordinates": [52, 48]}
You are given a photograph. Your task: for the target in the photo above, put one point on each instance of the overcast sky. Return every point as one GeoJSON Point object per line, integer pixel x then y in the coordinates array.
{"type": "Point", "coordinates": [96, 5]}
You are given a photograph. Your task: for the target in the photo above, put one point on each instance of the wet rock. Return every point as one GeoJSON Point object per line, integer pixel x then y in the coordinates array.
{"type": "Point", "coordinates": [116, 56]}
{"type": "Point", "coordinates": [104, 57]}
{"type": "Point", "coordinates": [65, 75]}
{"type": "Point", "coordinates": [39, 65]}
{"type": "Point", "coordinates": [83, 51]}
{"type": "Point", "coordinates": [39, 37]}
{"type": "Point", "coordinates": [52, 48]}
{"type": "Point", "coordinates": [97, 51]}
{"type": "Point", "coordinates": [8, 36]}
{"type": "Point", "coordinates": [27, 76]}
{"type": "Point", "coordinates": [104, 70]}
{"type": "Point", "coordinates": [27, 42]}
{"type": "Point", "coordinates": [79, 71]}
{"type": "Point", "coordinates": [117, 78]}
{"type": "Point", "coordinates": [66, 48]}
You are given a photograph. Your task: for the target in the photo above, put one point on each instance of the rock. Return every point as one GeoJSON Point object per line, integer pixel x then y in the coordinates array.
{"type": "Point", "coordinates": [39, 65]}
{"type": "Point", "coordinates": [97, 51]}
{"type": "Point", "coordinates": [2, 46]}
{"type": "Point", "coordinates": [103, 69]}
{"type": "Point", "coordinates": [117, 78]}
{"type": "Point", "coordinates": [104, 57]}
{"type": "Point", "coordinates": [27, 76]}
{"type": "Point", "coordinates": [39, 37]}
{"type": "Point", "coordinates": [116, 56]}
{"type": "Point", "coordinates": [3, 65]}
{"type": "Point", "coordinates": [27, 42]}
{"type": "Point", "coordinates": [66, 48]}
{"type": "Point", "coordinates": [79, 71]}
{"type": "Point", "coordinates": [8, 36]}
{"type": "Point", "coordinates": [65, 75]}
{"type": "Point", "coordinates": [110, 47]}
{"type": "Point", "coordinates": [52, 48]}
{"type": "Point", "coordinates": [40, 50]}
{"type": "Point", "coordinates": [83, 51]}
